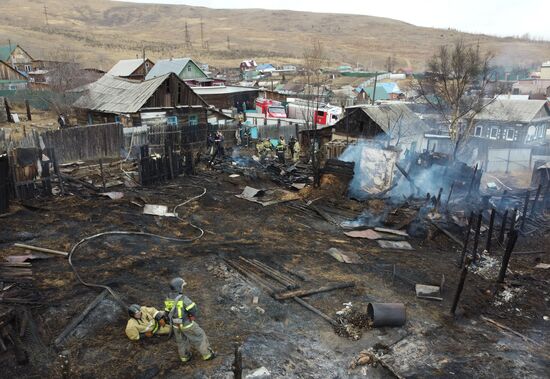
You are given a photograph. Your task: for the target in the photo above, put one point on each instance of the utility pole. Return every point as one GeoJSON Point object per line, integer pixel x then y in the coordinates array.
{"type": "Point", "coordinates": [46, 14]}
{"type": "Point", "coordinates": [374, 89]}
{"type": "Point", "coordinates": [188, 44]}
{"type": "Point", "coordinates": [202, 34]}
{"type": "Point", "coordinates": [228, 43]}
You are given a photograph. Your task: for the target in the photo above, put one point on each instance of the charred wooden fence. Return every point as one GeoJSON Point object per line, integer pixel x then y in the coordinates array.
{"type": "Point", "coordinates": [170, 151]}
{"type": "Point", "coordinates": [85, 142]}
{"type": "Point", "coordinates": [4, 183]}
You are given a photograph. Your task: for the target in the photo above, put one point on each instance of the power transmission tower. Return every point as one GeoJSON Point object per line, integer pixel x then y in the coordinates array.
{"type": "Point", "coordinates": [46, 14]}
{"type": "Point", "coordinates": [202, 35]}
{"type": "Point", "coordinates": [188, 44]}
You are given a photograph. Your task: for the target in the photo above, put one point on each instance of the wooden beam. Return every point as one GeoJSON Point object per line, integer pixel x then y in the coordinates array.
{"type": "Point", "coordinates": [306, 292]}
{"type": "Point", "coordinates": [77, 320]}
{"type": "Point", "coordinates": [41, 249]}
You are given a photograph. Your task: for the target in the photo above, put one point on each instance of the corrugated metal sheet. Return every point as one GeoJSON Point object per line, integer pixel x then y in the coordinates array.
{"type": "Point", "coordinates": [166, 66]}
{"type": "Point", "coordinates": [5, 51]}
{"type": "Point", "coordinates": [125, 67]}
{"type": "Point", "coordinates": [513, 110]}
{"type": "Point", "coordinates": [398, 117]}
{"type": "Point", "coordinates": [222, 90]}
{"type": "Point", "coordinates": [111, 94]}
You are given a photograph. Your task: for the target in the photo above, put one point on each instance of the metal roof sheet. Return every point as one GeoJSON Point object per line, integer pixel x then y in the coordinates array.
{"type": "Point", "coordinates": [222, 90]}
{"type": "Point", "coordinates": [112, 94]}
{"type": "Point", "coordinates": [514, 110]}
{"type": "Point", "coordinates": [5, 51]}
{"type": "Point", "coordinates": [166, 66]}
{"type": "Point", "coordinates": [397, 115]}
{"type": "Point", "coordinates": [125, 67]}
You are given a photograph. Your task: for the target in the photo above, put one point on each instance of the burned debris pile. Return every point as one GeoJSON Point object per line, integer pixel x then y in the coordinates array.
{"type": "Point", "coordinates": [360, 242]}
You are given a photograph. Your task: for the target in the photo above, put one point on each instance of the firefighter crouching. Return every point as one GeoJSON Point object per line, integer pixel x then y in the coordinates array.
{"type": "Point", "coordinates": [145, 322]}
{"type": "Point", "coordinates": [181, 312]}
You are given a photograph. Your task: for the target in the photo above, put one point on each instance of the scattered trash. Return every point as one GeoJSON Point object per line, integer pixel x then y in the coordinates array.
{"type": "Point", "coordinates": [112, 195]}
{"type": "Point", "coordinates": [269, 197]}
{"type": "Point", "coordinates": [352, 322]}
{"type": "Point", "coordinates": [387, 314]}
{"type": "Point", "coordinates": [424, 291]}
{"type": "Point", "coordinates": [344, 256]}
{"type": "Point", "coordinates": [543, 265]}
{"type": "Point", "coordinates": [368, 233]}
{"type": "Point", "coordinates": [157, 210]}
{"type": "Point", "coordinates": [392, 231]}
{"type": "Point", "coordinates": [398, 245]}
{"type": "Point", "coordinates": [298, 186]}
{"type": "Point", "coordinates": [365, 357]}
{"type": "Point", "coordinates": [492, 186]}
{"type": "Point", "coordinates": [259, 373]}
{"type": "Point", "coordinates": [234, 175]}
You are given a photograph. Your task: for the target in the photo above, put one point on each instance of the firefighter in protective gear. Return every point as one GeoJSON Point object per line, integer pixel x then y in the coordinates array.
{"type": "Point", "coordinates": [280, 148]}
{"type": "Point", "coordinates": [264, 148]}
{"type": "Point", "coordinates": [296, 151]}
{"type": "Point", "coordinates": [182, 312]}
{"type": "Point", "coordinates": [145, 322]}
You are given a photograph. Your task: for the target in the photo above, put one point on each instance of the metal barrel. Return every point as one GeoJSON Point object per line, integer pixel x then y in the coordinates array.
{"type": "Point", "coordinates": [387, 314]}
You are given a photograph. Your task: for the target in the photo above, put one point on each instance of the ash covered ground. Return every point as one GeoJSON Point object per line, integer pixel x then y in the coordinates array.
{"type": "Point", "coordinates": [282, 336]}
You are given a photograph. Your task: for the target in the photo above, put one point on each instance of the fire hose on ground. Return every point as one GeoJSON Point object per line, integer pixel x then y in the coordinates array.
{"type": "Point", "coordinates": [134, 233]}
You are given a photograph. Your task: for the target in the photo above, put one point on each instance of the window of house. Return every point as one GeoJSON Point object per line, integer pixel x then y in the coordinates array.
{"type": "Point", "coordinates": [478, 131]}
{"type": "Point", "coordinates": [193, 119]}
{"type": "Point", "coordinates": [510, 134]}
{"type": "Point", "coordinates": [540, 131]}
{"type": "Point", "coordinates": [117, 119]}
{"type": "Point", "coordinates": [494, 133]}
{"type": "Point", "coordinates": [189, 68]}
{"type": "Point", "coordinates": [172, 120]}
{"type": "Point", "coordinates": [28, 68]}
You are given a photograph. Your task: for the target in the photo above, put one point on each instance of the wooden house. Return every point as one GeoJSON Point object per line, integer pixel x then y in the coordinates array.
{"type": "Point", "coordinates": [164, 101]}
{"type": "Point", "coordinates": [186, 69]}
{"type": "Point", "coordinates": [136, 69]}
{"type": "Point", "coordinates": [10, 78]}
{"type": "Point", "coordinates": [16, 57]}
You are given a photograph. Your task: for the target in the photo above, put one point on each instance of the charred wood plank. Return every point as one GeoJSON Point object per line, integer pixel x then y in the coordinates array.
{"type": "Point", "coordinates": [77, 320]}
{"type": "Point", "coordinates": [306, 292]}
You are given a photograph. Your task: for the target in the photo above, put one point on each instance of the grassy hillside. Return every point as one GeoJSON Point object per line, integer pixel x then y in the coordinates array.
{"type": "Point", "coordinates": [100, 32]}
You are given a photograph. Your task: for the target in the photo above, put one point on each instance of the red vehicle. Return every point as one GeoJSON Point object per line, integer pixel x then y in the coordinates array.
{"type": "Point", "coordinates": [270, 108]}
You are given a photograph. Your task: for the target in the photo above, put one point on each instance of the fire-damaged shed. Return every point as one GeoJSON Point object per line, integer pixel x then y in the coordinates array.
{"type": "Point", "coordinates": [393, 122]}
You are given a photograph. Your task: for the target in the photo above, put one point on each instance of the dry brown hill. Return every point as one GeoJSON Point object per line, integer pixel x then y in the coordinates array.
{"type": "Point", "coordinates": [100, 32]}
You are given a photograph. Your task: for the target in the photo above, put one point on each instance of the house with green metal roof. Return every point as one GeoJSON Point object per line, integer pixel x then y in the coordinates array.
{"type": "Point", "coordinates": [16, 57]}
{"type": "Point", "coordinates": [186, 69]}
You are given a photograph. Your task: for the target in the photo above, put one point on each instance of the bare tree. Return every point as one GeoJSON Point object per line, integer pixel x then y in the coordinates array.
{"type": "Point", "coordinates": [455, 86]}
{"type": "Point", "coordinates": [64, 74]}
{"type": "Point", "coordinates": [315, 59]}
